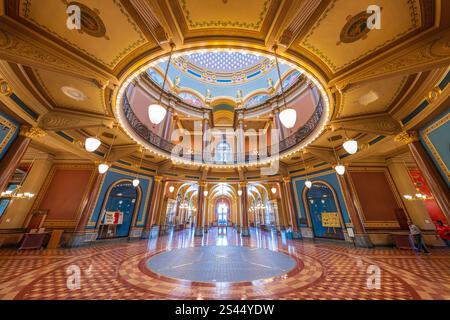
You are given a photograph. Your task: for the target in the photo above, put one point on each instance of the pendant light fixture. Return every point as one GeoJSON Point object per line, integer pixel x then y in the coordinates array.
{"type": "Point", "coordinates": [136, 180]}
{"type": "Point", "coordinates": [339, 167]}
{"type": "Point", "coordinates": [171, 188]}
{"type": "Point", "coordinates": [239, 192]}
{"type": "Point", "coordinates": [288, 116]}
{"type": "Point", "coordinates": [91, 144]}
{"type": "Point", "coordinates": [205, 193]}
{"type": "Point", "coordinates": [274, 190]}
{"type": "Point", "coordinates": [350, 145]}
{"type": "Point", "coordinates": [104, 166]}
{"type": "Point", "coordinates": [308, 183]}
{"type": "Point", "coordinates": [156, 112]}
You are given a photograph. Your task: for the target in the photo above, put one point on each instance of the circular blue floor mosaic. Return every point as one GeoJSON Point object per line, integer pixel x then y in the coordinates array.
{"type": "Point", "coordinates": [221, 264]}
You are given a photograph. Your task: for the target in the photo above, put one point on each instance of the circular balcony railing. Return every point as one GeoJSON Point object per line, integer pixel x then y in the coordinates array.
{"type": "Point", "coordinates": [231, 159]}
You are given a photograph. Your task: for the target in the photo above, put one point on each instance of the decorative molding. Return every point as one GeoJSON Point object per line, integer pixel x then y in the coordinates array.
{"type": "Point", "coordinates": [407, 137]}
{"type": "Point", "coordinates": [57, 120]}
{"type": "Point", "coordinates": [382, 124]}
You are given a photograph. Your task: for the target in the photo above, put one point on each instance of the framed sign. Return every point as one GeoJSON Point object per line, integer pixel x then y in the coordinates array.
{"type": "Point", "coordinates": [330, 220]}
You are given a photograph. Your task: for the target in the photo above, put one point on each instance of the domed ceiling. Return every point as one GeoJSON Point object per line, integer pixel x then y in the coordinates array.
{"type": "Point", "coordinates": [244, 78]}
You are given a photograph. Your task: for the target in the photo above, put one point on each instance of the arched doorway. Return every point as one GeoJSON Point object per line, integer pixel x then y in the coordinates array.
{"type": "Point", "coordinates": [118, 210]}
{"type": "Point", "coordinates": [222, 212]}
{"type": "Point", "coordinates": [323, 207]}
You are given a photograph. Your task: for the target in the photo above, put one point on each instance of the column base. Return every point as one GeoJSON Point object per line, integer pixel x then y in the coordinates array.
{"type": "Point", "coordinates": [245, 232]}
{"type": "Point", "coordinates": [78, 239]}
{"type": "Point", "coordinates": [363, 241]}
{"type": "Point", "coordinates": [306, 232]}
{"type": "Point", "coordinates": [198, 232]}
{"type": "Point", "coordinates": [135, 233]}
{"type": "Point", "coordinates": [296, 235]}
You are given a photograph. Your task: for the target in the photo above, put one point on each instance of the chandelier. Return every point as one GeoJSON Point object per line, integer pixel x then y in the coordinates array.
{"type": "Point", "coordinates": [15, 194]}
{"type": "Point", "coordinates": [288, 116]}
{"type": "Point", "coordinates": [417, 197]}
{"type": "Point", "coordinates": [156, 112]}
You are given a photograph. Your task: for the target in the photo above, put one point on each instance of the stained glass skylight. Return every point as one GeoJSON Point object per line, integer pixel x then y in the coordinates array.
{"type": "Point", "coordinates": [224, 61]}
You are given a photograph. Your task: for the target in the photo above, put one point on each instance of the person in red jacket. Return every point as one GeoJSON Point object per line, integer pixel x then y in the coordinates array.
{"type": "Point", "coordinates": [443, 231]}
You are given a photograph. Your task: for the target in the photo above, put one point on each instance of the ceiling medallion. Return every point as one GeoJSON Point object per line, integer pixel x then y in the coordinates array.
{"type": "Point", "coordinates": [73, 93]}
{"type": "Point", "coordinates": [91, 23]}
{"type": "Point", "coordinates": [355, 28]}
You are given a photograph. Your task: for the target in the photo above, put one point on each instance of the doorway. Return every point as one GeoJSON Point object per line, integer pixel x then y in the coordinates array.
{"type": "Point", "coordinates": [325, 216]}
{"type": "Point", "coordinates": [118, 211]}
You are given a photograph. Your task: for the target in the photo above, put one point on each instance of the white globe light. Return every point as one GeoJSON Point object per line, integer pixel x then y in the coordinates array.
{"type": "Point", "coordinates": [288, 117]}
{"type": "Point", "coordinates": [102, 168]}
{"type": "Point", "coordinates": [135, 182]}
{"type": "Point", "coordinates": [351, 146]}
{"type": "Point", "coordinates": [205, 193]}
{"type": "Point", "coordinates": [274, 190]}
{"type": "Point", "coordinates": [308, 184]}
{"type": "Point", "coordinates": [239, 192]}
{"type": "Point", "coordinates": [91, 144]}
{"type": "Point", "coordinates": [171, 188]}
{"type": "Point", "coordinates": [340, 169]}
{"type": "Point", "coordinates": [156, 113]}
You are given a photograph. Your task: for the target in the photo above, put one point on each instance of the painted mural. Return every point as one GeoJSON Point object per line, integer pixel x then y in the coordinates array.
{"type": "Point", "coordinates": [9, 130]}
{"type": "Point", "coordinates": [436, 140]}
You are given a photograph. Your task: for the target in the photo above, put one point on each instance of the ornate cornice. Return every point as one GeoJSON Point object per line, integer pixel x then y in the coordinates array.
{"type": "Point", "coordinates": [407, 137]}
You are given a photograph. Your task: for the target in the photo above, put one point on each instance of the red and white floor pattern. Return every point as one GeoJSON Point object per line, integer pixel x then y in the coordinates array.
{"type": "Point", "coordinates": [324, 271]}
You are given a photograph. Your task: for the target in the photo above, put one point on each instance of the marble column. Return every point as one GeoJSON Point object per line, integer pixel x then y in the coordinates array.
{"type": "Point", "coordinates": [167, 124]}
{"type": "Point", "coordinates": [151, 215]}
{"type": "Point", "coordinates": [245, 229]}
{"type": "Point", "coordinates": [205, 128]}
{"type": "Point", "coordinates": [362, 239]}
{"type": "Point", "coordinates": [200, 203]}
{"type": "Point", "coordinates": [240, 141]}
{"type": "Point", "coordinates": [13, 157]}
{"type": "Point", "coordinates": [287, 195]}
{"type": "Point", "coordinates": [277, 123]}
{"type": "Point", "coordinates": [436, 183]}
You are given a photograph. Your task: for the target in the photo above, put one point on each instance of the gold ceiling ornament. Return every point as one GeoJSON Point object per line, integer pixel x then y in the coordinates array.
{"type": "Point", "coordinates": [407, 137]}
{"type": "Point", "coordinates": [32, 132]}
{"type": "Point", "coordinates": [434, 94]}
{"type": "Point", "coordinates": [5, 88]}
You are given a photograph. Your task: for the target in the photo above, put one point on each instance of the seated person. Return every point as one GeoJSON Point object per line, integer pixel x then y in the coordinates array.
{"type": "Point", "coordinates": [417, 237]}
{"type": "Point", "coordinates": [443, 231]}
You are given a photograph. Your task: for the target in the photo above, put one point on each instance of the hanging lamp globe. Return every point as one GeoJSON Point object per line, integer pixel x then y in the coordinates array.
{"type": "Point", "coordinates": [308, 184]}
{"type": "Point", "coordinates": [135, 182]}
{"type": "Point", "coordinates": [103, 167]}
{"type": "Point", "coordinates": [274, 190]}
{"type": "Point", "coordinates": [239, 192]}
{"type": "Point", "coordinates": [171, 188]}
{"type": "Point", "coordinates": [156, 113]}
{"type": "Point", "coordinates": [351, 146]}
{"type": "Point", "coordinates": [288, 117]}
{"type": "Point", "coordinates": [91, 144]}
{"type": "Point", "coordinates": [340, 169]}
{"type": "Point", "coordinates": [205, 193]}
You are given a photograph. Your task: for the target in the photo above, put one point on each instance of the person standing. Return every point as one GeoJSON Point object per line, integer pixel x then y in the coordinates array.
{"type": "Point", "coordinates": [416, 234]}
{"type": "Point", "coordinates": [443, 231]}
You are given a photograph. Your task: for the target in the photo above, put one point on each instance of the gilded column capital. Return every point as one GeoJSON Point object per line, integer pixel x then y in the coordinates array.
{"type": "Point", "coordinates": [243, 184]}
{"type": "Point", "coordinates": [158, 178]}
{"type": "Point", "coordinates": [407, 137]}
{"type": "Point", "coordinates": [32, 132]}
{"type": "Point", "coordinates": [286, 179]}
{"type": "Point", "coordinates": [202, 184]}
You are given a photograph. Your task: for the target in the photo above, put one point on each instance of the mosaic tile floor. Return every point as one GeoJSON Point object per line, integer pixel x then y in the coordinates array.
{"type": "Point", "coordinates": [322, 271]}
{"type": "Point", "coordinates": [221, 264]}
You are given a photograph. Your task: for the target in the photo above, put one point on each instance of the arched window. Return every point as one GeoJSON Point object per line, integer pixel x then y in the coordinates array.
{"type": "Point", "coordinates": [223, 152]}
